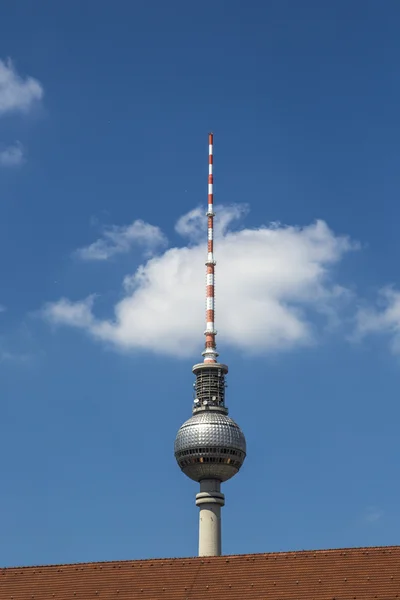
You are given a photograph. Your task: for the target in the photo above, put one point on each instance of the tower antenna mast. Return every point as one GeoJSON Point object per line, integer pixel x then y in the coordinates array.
{"type": "Point", "coordinates": [210, 352]}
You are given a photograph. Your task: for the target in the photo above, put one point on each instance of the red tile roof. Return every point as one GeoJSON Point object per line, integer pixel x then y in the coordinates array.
{"type": "Point", "coordinates": [346, 574]}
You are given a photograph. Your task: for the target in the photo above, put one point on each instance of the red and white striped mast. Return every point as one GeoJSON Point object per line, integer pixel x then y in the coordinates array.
{"type": "Point", "coordinates": [210, 352]}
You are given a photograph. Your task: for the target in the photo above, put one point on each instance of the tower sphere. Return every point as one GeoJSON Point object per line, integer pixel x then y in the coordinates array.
{"type": "Point", "coordinates": [210, 445]}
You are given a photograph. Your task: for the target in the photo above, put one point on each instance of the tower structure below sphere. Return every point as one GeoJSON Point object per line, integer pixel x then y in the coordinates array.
{"type": "Point", "coordinates": [210, 447]}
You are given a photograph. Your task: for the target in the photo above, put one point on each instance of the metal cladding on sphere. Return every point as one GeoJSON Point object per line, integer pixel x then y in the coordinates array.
{"type": "Point", "coordinates": [210, 445]}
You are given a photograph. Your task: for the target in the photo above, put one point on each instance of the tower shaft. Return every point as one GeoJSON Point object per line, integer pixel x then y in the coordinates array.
{"type": "Point", "coordinates": [210, 500]}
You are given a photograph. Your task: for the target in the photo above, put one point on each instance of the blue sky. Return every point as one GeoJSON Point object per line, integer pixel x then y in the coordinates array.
{"type": "Point", "coordinates": [104, 116]}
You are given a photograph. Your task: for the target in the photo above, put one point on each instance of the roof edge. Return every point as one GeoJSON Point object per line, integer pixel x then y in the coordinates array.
{"type": "Point", "coordinates": [203, 558]}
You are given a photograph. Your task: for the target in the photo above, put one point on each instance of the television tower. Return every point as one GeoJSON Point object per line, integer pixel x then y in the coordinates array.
{"type": "Point", "coordinates": [210, 447]}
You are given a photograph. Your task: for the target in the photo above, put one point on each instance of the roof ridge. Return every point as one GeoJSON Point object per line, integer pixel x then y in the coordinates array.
{"type": "Point", "coordinates": [201, 558]}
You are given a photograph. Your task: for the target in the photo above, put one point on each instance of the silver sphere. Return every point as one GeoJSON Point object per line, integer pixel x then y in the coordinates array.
{"type": "Point", "coordinates": [210, 445]}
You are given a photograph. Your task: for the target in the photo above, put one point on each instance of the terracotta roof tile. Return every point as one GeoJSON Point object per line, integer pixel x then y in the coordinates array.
{"type": "Point", "coordinates": [344, 574]}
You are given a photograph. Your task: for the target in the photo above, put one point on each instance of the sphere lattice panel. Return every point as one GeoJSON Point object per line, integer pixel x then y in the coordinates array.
{"type": "Point", "coordinates": [210, 445]}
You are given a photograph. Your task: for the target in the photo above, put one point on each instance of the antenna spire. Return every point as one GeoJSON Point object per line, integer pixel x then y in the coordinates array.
{"type": "Point", "coordinates": [210, 351]}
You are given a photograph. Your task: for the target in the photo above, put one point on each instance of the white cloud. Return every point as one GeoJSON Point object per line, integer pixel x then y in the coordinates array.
{"type": "Point", "coordinates": [118, 240]}
{"type": "Point", "coordinates": [269, 282]}
{"type": "Point", "coordinates": [17, 94]}
{"type": "Point", "coordinates": [382, 319]}
{"type": "Point", "coordinates": [12, 156]}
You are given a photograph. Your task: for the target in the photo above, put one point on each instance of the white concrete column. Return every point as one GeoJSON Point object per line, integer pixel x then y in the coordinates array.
{"type": "Point", "coordinates": [210, 500]}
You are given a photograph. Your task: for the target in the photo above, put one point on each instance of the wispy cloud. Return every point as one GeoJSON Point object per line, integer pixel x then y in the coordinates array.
{"type": "Point", "coordinates": [76, 314]}
{"type": "Point", "coordinates": [383, 318]}
{"type": "Point", "coordinates": [17, 93]}
{"type": "Point", "coordinates": [193, 224]}
{"type": "Point", "coordinates": [14, 348]}
{"type": "Point", "coordinates": [275, 277]}
{"type": "Point", "coordinates": [120, 239]}
{"type": "Point", "coordinates": [13, 357]}
{"type": "Point", "coordinates": [12, 156]}
{"type": "Point", "coordinates": [373, 514]}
